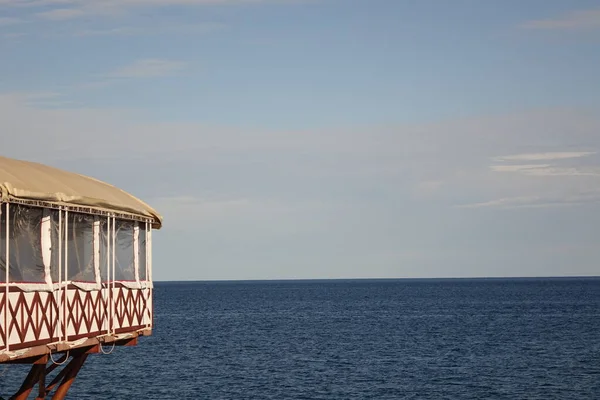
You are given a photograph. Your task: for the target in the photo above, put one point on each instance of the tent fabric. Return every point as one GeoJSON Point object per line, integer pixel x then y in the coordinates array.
{"type": "Point", "coordinates": [25, 180]}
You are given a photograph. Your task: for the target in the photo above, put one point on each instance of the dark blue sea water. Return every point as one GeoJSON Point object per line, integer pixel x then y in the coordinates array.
{"type": "Point", "coordinates": [364, 339]}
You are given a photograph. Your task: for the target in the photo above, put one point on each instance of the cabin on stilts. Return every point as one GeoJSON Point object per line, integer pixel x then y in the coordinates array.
{"type": "Point", "coordinates": [75, 272]}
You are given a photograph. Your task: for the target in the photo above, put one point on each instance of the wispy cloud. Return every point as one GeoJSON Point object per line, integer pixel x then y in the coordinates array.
{"type": "Point", "coordinates": [63, 3]}
{"type": "Point", "coordinates": [568, 181]}
{"type": "Point", "coordinates": [564, 171]}
{"type": "Point", "coordinates": [109, 31]}
{"type": "Point", "coordinates": [546, 169]}
{"type": "Point", "coordinates": [6, 21]}
{"type": "Point", "coordinates": [139, 69]}
{"type": "Point", "coordinates": [177, 29]}
{"type": "Point", "coordinates": [517, 168]}
{"type": "Point", "coordinates": [70, 9]}
{"type": "Point", "coordinates": [592, 197]}
{"type": "Point", "coordinates": [59, 14]}
{"type": "Point", "coordinates": [505, 202]}
{"type": "Point", "coordinates": [14, 35]}
{"type": "Point", "coordinates": [574, 20]}
{"type": "Point", "coordinates": [545, 156]}
{"type": "Point", "coordinates": [147, 68]}
{"type": "Point", "coordinates": [46, 99]}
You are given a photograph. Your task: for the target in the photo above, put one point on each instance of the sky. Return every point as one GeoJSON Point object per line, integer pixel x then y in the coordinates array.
{"type": "Point", "coordinates": [295, 139]}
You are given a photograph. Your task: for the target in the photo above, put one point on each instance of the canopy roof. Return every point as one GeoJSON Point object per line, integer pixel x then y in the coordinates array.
{"type": "Point", "coordinates": [24, 180]}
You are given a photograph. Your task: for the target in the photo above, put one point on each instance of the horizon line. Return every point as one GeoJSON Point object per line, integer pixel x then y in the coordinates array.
{"type": "Point", "coordinates": [551, 277]}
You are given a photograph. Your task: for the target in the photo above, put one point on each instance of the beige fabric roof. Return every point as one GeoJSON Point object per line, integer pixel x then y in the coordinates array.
{"type": "Point", "coordinates": [26, 180]}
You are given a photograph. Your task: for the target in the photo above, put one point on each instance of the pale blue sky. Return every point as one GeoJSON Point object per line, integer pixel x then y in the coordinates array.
{"type": "Point", "coordinates": [323, 138]}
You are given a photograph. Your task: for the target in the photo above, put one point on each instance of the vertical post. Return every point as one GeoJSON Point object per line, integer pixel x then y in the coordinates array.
{"type": "Point", "coordinates": [149, 246]}
{"type": "Point", "coordinates": [146, 248]}
{"type": "Point", "coordinates": [66, 292]}
{"type": "Point", "coordinates": [46, 236]}
{"type": "Point", "coordinates": [149, 273]}
{"type": "Point", "coordinates": [136, 251]}
{"type": "Point", "coordinates": [6, 284]}
{"type": "Point", "coordinates": [107, 313]}
{"type": "Point", "coordinates": [60, 268]}
{"type": "Point", "coordinates": [7, 261]}
{"type": "Point", "coordinates": [147, 311]}
{"type": "Point", "coordinates": [96, 252]}
{"type": "Point", "coordinates": [114, 259]}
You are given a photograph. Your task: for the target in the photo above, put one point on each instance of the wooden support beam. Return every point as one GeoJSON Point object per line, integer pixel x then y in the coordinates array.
{"type": "Point", "coordinates": [39, 357]}
{"type": "Point", "coordinates": [32, 378]}
{"type": "Point", "coordinates": [59, 376]}
{"type": "Point", "coordinates": [42, 384]}
{"type": "Point", "coordinates": [92, 350]}
{"type": "Point", "coordinates": [54, 365]}
{"type": "Point", "coordinates": [73, 369]}
{"type": "Point", "coordinates": [128, 342]}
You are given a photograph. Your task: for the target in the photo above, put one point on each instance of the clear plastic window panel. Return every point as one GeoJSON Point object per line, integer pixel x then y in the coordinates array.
{"type": "Point", "coordinates": [124, 251]}
{"type": "Point", "coordinates": [80, 248]}
{"type": "Point", "coordinates": [25, 264]}
{"type": "Point", "coordinates": [142, 252]}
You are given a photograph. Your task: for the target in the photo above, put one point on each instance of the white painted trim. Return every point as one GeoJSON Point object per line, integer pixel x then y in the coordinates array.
{"type": "Point", "coordinates": [108, 300]}
{"type": "Point", "coordinates": [85, 286]}
{"type": "Point", "coordinates": [149, 257]}
{"type": "Point", "coordinates": [148, 228]}
{"type": "Point", "coordinates": [7, 265]}
{"type": "Point", "coordinates": [60, 286]}
{"type": "Point", "coordinates": [136, 250]}
{"type": "Point", "coordinates": [96, 251]}
{"type": "Point", "coordinates": [129, 284]}
{"type": "Point", "coordinates": [114, 263]}
{"type": "Point", "coordinates": [46, 243]}
{"type": "Point", "coordinates": [66, 302]}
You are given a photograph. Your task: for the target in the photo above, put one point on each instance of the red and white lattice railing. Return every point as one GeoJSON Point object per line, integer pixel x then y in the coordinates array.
{"type": "Point", "coordinates": [42, 317]}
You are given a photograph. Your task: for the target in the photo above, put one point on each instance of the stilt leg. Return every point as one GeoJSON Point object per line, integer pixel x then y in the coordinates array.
{"type": "Point", "coordinates": [32, 378]}
{"type": "Point", "coordinates": [69, 377]}
{"type": "Point", "coordinates": [42, 384]}
{"type": "Point", "coordinates": [59, 376]}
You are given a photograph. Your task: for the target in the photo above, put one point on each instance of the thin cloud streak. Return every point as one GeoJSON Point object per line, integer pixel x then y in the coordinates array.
{"type": "Point", "coordinates": [574, 20]}
{"type": "Point", "coordinates": [517, 168]}
{"type": "Point", "coordinates": [545, 156]}
{"type": "Point", "coordinates": [547, 170]}
{"type": "Point", "coordinates": [568, 171]}
{"type": "Point", "coordinates": [73, 9]}
{"type": "Point", "coordinates": [14, 35]}
{"type": "Point", "coordinates": [505, 202]}
{"type": "Point", "coordinates": [9, 21]}
{"type": "Point", "coordinates": [154, 30]}
{"type": "Point", "coordinates": [140, 69]}
{"type": "Point", "coordinates": [537, 201]}
{"type": "Point", "coordinates": [60, 14]}
{"type": "Point", "coordinates": [148, 68]}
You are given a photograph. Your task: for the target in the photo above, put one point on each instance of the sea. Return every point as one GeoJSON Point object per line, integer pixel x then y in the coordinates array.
{"type": "Point", "coordinates": [357, 339]}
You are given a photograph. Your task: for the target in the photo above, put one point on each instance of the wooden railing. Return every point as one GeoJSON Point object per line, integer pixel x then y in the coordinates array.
{"type": "Point", "coordinates": [32, 318]}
